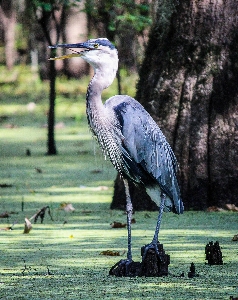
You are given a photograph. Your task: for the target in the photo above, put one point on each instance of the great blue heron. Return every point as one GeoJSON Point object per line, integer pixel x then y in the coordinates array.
{"type": "Point", "coordinates": [128, 135]}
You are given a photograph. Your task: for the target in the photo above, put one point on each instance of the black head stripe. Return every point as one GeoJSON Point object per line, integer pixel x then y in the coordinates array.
{"type": "Point", "coordinates": [105, 42]}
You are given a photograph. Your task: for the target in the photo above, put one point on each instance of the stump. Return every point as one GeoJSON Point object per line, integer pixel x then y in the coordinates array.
{"type": "Point", "coordinates": [213, 253]}
{"type": "Point", "coordinates": [192, 273]}
{"type": "Point", "coordinates": [152, 265]}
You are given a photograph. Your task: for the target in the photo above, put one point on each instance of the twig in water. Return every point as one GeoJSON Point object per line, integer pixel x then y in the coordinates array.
{"type": "Point", "coordinates": [41, 214]}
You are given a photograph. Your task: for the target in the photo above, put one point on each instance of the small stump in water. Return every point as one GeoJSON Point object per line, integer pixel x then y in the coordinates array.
{"type": "Point", "coordinates": [213, 253]}
{"type": "Point", "coordinates": [153, 265]}
{"type": "Point", "coordinates": [192, 273]}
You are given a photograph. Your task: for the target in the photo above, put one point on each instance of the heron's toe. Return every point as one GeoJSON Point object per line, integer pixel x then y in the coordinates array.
{"type": "Point", "coordinates": [126, 268]}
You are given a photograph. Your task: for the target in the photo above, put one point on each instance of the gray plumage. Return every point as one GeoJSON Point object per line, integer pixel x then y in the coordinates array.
{"type": "Point", "coordinates": [128, 135]}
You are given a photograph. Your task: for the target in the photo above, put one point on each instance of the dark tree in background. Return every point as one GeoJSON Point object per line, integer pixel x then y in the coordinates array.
{"type": "Point", "coordinates": [50, 14]}
{"type": "Point", "coordinates": [189, 84]}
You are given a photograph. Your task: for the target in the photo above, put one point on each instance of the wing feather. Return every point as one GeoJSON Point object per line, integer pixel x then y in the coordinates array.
{"type": "Point", "coordinates": [145, 145]}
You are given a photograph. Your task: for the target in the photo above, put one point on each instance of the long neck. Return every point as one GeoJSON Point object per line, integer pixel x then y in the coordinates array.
{"type": "Point", "coordinates": [93, 97]}
{"type": "Point", "coordinates": [95, 108]}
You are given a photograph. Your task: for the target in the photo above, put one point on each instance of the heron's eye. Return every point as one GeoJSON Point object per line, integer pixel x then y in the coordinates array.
{"type": "Point", "coordinates": [96, 46]}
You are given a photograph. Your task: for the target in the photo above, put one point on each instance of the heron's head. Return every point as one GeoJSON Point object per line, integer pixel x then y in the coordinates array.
{"type": "Point", "coordinates": [99, 53]}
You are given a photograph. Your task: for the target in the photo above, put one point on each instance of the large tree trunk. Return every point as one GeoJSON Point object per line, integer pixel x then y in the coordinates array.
{"type": "Point", "coordinates": [189, 84]}
{"type": "Point", "coordinates": [8, 20]}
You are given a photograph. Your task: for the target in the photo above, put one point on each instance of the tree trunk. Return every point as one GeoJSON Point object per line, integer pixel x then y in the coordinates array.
{"type": "Point", "coordinates": [74, 30]}
{"type": "Point", "coordinates": [188, 83]}
{"type": "Point", "coordinates": [119, 197]}
{"type": "Point", "coordinates": [51, 149]}
{"type": "Point", "coordinates": [8, 20]}
{"type": "Point", "coordinates": [51, 25]}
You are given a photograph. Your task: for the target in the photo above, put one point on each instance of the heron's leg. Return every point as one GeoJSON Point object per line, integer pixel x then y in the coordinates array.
{"type": "Point", "coordinates": [129, 209]}
{"type": "Point", "coordinates": [154, 243]}
{"type": "Point", "coordinates": [161, 209]}
{"type": "Point", "coordinates": [125, 266]}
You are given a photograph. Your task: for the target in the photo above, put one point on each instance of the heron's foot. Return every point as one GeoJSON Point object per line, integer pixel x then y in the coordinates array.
{"type": "Point", "coordinates": [125, 268]}
{"type": "Point", "coordinates": [155, 247]}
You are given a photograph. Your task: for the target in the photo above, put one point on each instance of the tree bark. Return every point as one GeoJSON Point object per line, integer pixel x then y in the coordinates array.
{"type": "Point", "coordinates": [51, 25]}
{"type": "Point", "coordinates": [51, 146]}
{"type": "Point", "coordinates": [188, 83]}
{"type": "Point", "coordinates": [74, 30]}
{"type": "Point", "coordinates": [8, 20]}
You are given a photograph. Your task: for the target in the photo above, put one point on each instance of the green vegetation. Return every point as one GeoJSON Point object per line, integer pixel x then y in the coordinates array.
{"type": "Point", "coordinates": [61, 259]}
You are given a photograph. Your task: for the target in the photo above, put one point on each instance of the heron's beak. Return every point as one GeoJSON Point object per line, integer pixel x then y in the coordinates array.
{"type": "Point", "coordinates": [69, 46]}
{"type": "Point", "coordinates": [66, 56]}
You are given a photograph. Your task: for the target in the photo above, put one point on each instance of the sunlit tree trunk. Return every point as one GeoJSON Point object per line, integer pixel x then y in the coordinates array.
{"type": "Point", "coordinates": [74, 31]}
{"type": "Point", "coordinates": [8, 20]}
{"type": "Point", "coordinates": [189, 84]}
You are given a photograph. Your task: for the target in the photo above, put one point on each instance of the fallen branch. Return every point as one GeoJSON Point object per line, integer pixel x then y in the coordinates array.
{"type": "Point", "coordinates": [41, 214]}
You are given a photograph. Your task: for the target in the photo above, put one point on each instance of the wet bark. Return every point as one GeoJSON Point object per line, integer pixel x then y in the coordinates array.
{"type": "Point", "coordinates": [188, 83]}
